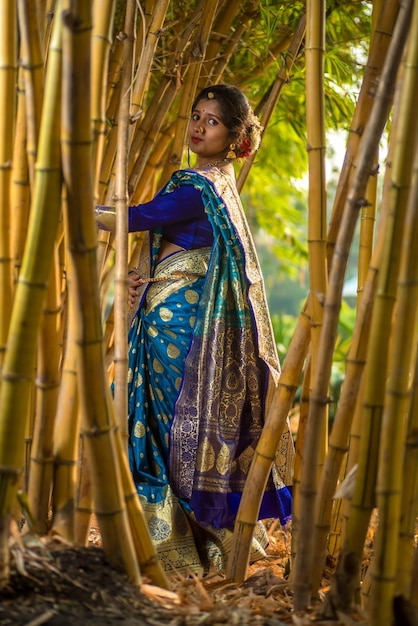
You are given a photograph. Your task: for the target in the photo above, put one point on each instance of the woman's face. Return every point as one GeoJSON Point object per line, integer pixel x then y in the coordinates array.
{"type": "Point", "coordinates": [209, 138]}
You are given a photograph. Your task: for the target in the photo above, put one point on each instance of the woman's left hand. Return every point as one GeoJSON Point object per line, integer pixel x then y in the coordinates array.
{"type": "Point", "coordinates": [134, 281]}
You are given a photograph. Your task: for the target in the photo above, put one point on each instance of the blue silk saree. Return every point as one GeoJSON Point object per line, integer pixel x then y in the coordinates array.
{"type": "Point", "coordinates": [201, 358]}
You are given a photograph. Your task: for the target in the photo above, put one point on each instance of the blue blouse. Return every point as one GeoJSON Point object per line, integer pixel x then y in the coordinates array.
{"type": "Point", "coordinates": [180, 214]}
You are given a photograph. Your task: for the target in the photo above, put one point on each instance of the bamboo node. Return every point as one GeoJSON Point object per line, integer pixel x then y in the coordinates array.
{"type": "Point", "coordinates": [264, 456]}
{"type": "Point", "coordinates": [244, 523]}
{"type": "Point", "coordinates": [104, 514]}
{"type": "Point", "coordinates": [45, 460]}
{"type": "Point", "coordinates": [97, 432]}
{"type": "Point", "coordinates": [11, 471]}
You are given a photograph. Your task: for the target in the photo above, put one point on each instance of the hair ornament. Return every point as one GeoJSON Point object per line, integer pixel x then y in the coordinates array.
{"type": "Point", "coordinates": [244, 149]}
{"type": "Point", "coordinates": [211, 95]}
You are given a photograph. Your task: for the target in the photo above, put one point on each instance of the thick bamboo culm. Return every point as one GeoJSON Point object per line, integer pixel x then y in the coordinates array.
{"type": "Point", "coordinates": [97, 418]}
{"type": "Point", "coordinates": [19, 364]}
{"type": "Point", "coordinates": [316, 431]}
{"type": "Point", "coordinates": [8, 75]}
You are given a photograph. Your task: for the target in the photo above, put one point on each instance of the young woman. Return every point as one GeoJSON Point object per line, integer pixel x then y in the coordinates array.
{"type": "Point", "coordinates": [202, 355]}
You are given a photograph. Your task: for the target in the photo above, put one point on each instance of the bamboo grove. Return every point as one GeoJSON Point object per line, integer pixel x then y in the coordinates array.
{"type": "Point", "coordinates": [95, 97]}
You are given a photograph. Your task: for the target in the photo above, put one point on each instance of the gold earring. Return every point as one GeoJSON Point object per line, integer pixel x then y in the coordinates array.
{"type": "Point", "coordinates": [231, 154]}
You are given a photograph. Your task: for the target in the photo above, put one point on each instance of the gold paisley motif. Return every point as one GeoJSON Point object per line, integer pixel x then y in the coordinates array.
{"type": "Point", "coordinates": [172, 351]}
{"type": "Point", "coordinates": [130, 375]}
{"type": "Point", "coordinates": [178, 383]}
{"type": "Point", "coordinates": [139, 380]}
{"type": "Point", "coordinates": [165, 314]}
{"type": "Point", "coordinates": [158, 366]}
{"type": "Point", "coordinates": [205, 459]}
{"type": "Point", "coordinates": [192, 297]}
{"type": "Point", "coordinates": [223, 459]}
{"type": "Point", "coordinates": [139, 430]}
{"type": "Point", "coordinates": [152, 331]}
{"type": "Point", "coordinates": [245, 459]}
{"type": "Point", "coordinates": [192, 321]}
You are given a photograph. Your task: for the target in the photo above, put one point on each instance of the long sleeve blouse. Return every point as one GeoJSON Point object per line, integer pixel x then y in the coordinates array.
{"type": "Point", "coordinates": [180, 214]}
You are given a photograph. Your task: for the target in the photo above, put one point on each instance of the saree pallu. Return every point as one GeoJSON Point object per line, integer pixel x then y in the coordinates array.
{"type": "Point", "coordinates": [159, 340]}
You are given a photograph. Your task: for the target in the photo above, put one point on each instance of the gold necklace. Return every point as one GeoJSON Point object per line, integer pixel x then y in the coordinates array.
{"type": "Point", "coordinates": [224, 161]}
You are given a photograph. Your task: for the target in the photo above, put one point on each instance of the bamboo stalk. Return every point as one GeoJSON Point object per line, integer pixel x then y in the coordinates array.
{"type": "Point", "coordinates": [66, 432]}
{"type": "Point", "coordinates": [83, 495]}
{"type": "Point", "coordinates": [149, 563]}
{"type": "Point", "coordinates": [19, 364]}
{"type": "Point", "coordinates": [153, 33]}
{"type": "Point", "coordinates": [367, 226]}
{"type": "Point", "coordinates": [33, 75]}
{"type": "Point", "coordinates": [300, 442]}
{"type": "Point", "coordinates": [364, 492]}
{"type": "Point", "coordinates": [45, 13]}
{"type": "Point", "coordinates": [121, 199]}
{"type": "Point", "coordinates": [103, 16]}
{"type": "Point", "coordinates": [20, 185]}
{"type": "Point", "coordinates": [368, 212]}
{"type": "Point", "coordinates": [8, 74]}
{"type": "Point", "coordinates": [47, 385]}
{"type": "Point", "coordinates": [97, 416]}
{"type": "Point", "coordinates": [316, 433]}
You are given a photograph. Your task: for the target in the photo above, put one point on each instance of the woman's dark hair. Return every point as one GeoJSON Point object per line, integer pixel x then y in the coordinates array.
{"type": "Point", "coordinates": [237, 115]}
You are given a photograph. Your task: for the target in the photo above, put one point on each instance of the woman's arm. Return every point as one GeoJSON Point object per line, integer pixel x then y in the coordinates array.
{"type": "Point", "coordinates": [182, 204]}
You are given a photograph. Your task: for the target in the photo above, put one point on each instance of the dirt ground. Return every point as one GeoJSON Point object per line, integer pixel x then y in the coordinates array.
{"type": "Point", "coordinates": [54, 584]}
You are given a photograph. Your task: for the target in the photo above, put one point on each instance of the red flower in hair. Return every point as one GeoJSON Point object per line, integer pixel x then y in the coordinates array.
{"type": "Point", "coordinates": [244, 149]}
